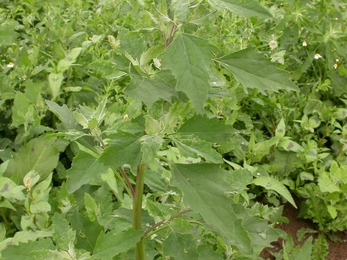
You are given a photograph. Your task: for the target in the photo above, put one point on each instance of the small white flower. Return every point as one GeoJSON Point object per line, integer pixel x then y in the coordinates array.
{"type": "Point", "coordinates": [304, 43]}
{"type": "Point", "coordinates": [337, 60]}
{"type": "Point", "coordinates": [10, 65]}
{"type": "Point", "coordinates": [335, 66]}
{"type": "Point", "coordinates": [273, 44]}
{"type": "Point", "coordinates": [317, 56]}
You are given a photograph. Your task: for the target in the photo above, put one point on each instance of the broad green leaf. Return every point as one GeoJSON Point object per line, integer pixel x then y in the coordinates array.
{"type": "Point", "coordinates": [249, 8]}
{"type": "Point", "coordinates": [39, 207]}
{"type": "Point", "coordinates": [84, 168]}
{"type": "Point", "coordinates": [132, 43]}
{"type": "Point", "coordinates": [207, 253]}
{"type": "Point", "coordinates": [204, 187]}
{"type": "Point", "coordinates": [92, 208]}
{"type": "Point", "coordinates": [259, 231]}
{"type": "Point", "coordinates": [10, 190]}
{"type": "Point", "coordinates": [39, 154]}
{"type": "Point", "coordinates": [112, 243]}
{"type": "Point", "coordinates": [70, 59]}
{"type": "Point", "coordinates": [281, 128]}
{"type": "Point", "coordinates": [180, 8]}
{"type": "Point", "coordinates": [23, 112]}
{"type": "Point", "coordinates": [208, 129]}
{"type": "Point", "coordinates": [193, 147]}
{"type": "Point", "coordinates": [87, 232]}
{"type": "Point", "coordinates": [239, 180]}
{"type": "Point", "coordinates": [124, 148]}
{"type": "Point", "coordinates": [180, 246]}
{"type": "Point", "coordinates": [55, 80]}
{"type": "Point", "coordinates": [150, 145]}
{"type": "Point", "coordinates": [7, 34]}
{"type": "Point", "coordinates": [62, 233]}
{"type": "Point", "coordinates": [64, 114]}
{"type": "Point", "coordinates": [26, 251]}
{"type": "Point", "coordinates": [189, 59]}
{"type": "Point", "coordinates": [24, 237]}
{"type": "Point", "coordinates": [271, 183]}
{"type": "Point", "coordinates": [107, 69]}
{"type": "Point", "coordinates": [302, 252]}
{"type": "Point", "coordinates": [252, 70]}
{"type": "Point", "coordinates": [326, 184]}
{"type": "Point", "coordinates": [287, 144]}
{"type": "Point", "coordinates": [147, 90]}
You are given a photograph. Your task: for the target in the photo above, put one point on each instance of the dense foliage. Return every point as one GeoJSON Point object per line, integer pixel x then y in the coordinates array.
{"type": "Point", "coordinates": [170, 129]}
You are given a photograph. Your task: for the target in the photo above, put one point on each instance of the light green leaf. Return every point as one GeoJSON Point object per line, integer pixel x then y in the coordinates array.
{"type": "Point", "coordinates": [150, 145]}
{"type": "Point", "coordinates": [39, 154]}
{"type": "Point", "coordinates": [249, 8]}
{"type": "Point", "coordinates": [92, 208]}
{"type": "Point", "coordinates": [30, 179]}
{"type": "Point", "coordinates": [290, 145]}
{"type": "Point", "coordinates": [272, 184]}
{"type": "Point", "coordinates": [204, 187]}
{"type": "Point", "coordinates": [84, 168]}
{"type": "Point", "coordinates": [124, 148]}
{"type": "Point", "coordinates": [65, 116]}
{"type": "Point", "coordinates": [7, 204]}
{"type": "Point", "coordinates": [10, 190]}
{"type": "Point", "coordinates": [281, 129]}
{"type": "Point", "coordinates": [326, 184]}
{"type": "Point", "coordinates": [189, 59]}
{"type": "Point", "coordinates": [252, 70]}
{"type": "Point", "coordinates": [193, 147]}
{"type": "Point", "coordinates": [112, 243]}
{"type": "Point", "coordinates": [62, 233]}
{"type": "Point", "coordinates": [180, 8]}
{"type": "Point", "coordinates": [23, 112]}
{"type": "Point", "coordinates": [39, 207]}
{"type": "Point", "coordinates": [180, 246]}
{"type": "Point", "coordinates": [70, 59]}
{"type": "Point", "coordinates": [207, 253]}
{"type": "Point", "coordinates": [55, 80]}
{"type": "Point", "coordinates": [148, 90]}
{"type": "Point", "coordinates": [25, 251]}
{"type": "Point", "coordinates": [7, 34]}
{"type": "Point", "coordinates": [208, 129]}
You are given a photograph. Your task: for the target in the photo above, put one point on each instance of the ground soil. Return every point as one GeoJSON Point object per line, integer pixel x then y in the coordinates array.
{"type": "Point", "coordinates": [337, 250]}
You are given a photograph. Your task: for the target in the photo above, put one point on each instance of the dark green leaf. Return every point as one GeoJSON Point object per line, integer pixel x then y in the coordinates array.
{"type": "Point", "coordinates": [112, 243]}
{"type": "Point", "coordinates": [204, 188]}
{"type": "Point", "coordinates": [64, 114]}
{"type": "Point", "coordinates": [189, 59]}
{"type": "Point", "coordinates": [180, 246]}
{"type": "Point", "coordinates": [247, 8]}
{"type": "Point", "coordinates": [40, 154]}
{"type": "Point", "coordinates": [208, 129]}
{"type": "Point", "coordinates": [124, 148]}
{"type": "Point", "coordinates": [148, 90]}
{"type": "Point", "coordinates": [84, 168]}
{"type": "Point", "coordinates": [7, 35]}
{"type": "Point", "coordinates": [193, 147]}
{"type": "Point", "coordinates": [252, 70]}
{"type": "Point", "coordinates": [271, 183]}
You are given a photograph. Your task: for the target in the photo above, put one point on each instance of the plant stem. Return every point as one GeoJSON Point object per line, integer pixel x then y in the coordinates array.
{"type": "Point", "coordinates": [164, 221]}
{"type": "Point", "coordinates": [137, 210]}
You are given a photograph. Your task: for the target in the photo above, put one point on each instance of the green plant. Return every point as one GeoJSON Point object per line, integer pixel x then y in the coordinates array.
{"type": "Point", "coordinates": [136, 130]}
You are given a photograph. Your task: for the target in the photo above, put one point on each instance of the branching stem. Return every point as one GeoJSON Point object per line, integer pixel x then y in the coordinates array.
{"type": "Point", "coordinates": [137, 210]}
